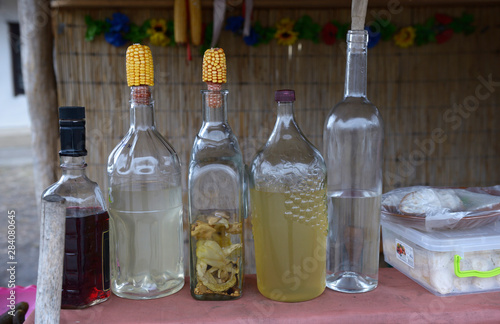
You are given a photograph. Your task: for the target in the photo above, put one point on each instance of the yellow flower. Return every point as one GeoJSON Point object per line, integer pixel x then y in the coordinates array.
{"type": "Point", "coordinates": [405, 37]}
{"type": "Point", "coordinates": [286, 37]}
{"type": "Point", "coordinates": [157, 26]}
{"type": "Point", "coordinates": [159, 39]}
{"type": "Point", "coordinates": [156, 32]}
{"type": "Point", "coordinates": [284, 32]}
{"type": "Point", "coordinates": [285, 23]}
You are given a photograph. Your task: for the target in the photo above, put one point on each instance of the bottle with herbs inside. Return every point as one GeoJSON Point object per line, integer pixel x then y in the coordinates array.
{"type": "Point", "coordinates": [86, 278]}
{"type": "Point", "coordinates": [145, 197]}
{"type": "Point", "coordinates": [289, 218]}
{"type": "Point", "coordinates": [352, 139]}
{"type": "Point", "coordinates": [217, 203]}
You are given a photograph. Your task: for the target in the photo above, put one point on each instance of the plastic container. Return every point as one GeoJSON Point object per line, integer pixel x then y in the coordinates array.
{"type": "Point", "coordinates": [446, 263]}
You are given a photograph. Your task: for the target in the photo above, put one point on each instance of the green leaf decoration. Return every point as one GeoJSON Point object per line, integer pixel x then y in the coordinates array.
{"type": "Point", "coordinates": [307, 29]}
{"type": "Point", "coordinates": [387, 29]}
{"type": "Point", "coordinates": [463, 24]}
{"type": "Point", "coordinates": [266, 34]}
{"type": "Point", "coordinates": [170, 32]}
{"type": "Point", "coordinates": [425, 33]}
{"type": "Point", "coordinates": [94, 28]}
{"type": "Point", "coordinates": [207, 37]}
{"type": "Point", "coordinates": [342, 30]}
{"type": "Point", "coordinates": [138, 33]}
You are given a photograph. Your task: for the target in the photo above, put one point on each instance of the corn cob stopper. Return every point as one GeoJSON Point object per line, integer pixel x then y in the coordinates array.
{"type": "Point", "coordinates": [139, 66]}
{"type": "Point", "coordinates": [214, 73]}
{"type": "Point", "coordinates": [140, 72]}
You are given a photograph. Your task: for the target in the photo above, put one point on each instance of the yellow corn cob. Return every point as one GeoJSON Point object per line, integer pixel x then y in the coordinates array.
{"type": "Point", "coordinates": [180, 21]}
{"type": "Point", "coordinates": [139, 64]}
{"type": "Point", "coordinates": [195, 21]}
{"type": "Point", "coordinates": [214, 66]}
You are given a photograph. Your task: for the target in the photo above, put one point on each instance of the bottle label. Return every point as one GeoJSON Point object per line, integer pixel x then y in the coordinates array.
{"type": "Point", "coordinates": [404, 253]}
{"type": "Point", "coordinates": [106, 276]}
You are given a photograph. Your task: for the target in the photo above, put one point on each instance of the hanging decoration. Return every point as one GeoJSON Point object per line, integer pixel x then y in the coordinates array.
{"type": "Point", "coordinates": [247, 13]}
{"type": "Point", "coordinates": [219, 12]}
{"type": "Point", "coordinates": [119, 30]}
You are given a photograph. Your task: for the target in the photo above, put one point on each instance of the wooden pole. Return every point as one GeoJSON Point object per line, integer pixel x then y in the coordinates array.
{"type": "Point", "coordinates": [358, 14]}
{"type": "Point", "coordinates": [50, 262]}
{"type": "Point", "coordinates": [41, 90]}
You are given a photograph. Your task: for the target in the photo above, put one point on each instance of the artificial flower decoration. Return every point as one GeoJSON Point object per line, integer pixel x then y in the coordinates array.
{"type": "Point", "coordinates": [138, 33]}
{"type": "Point", "coordinates": [252, 39]}
{"type": "Point", "coordinates": [156, 32]}
{"type": "Point", "coordinates": [94, 28]}
{"type": "Point", "coordinates": [405, 37]}
{"type": "Point", "coordinates": [329, 33]}
{"type": "Point", "coordinates": [235, 24]}
{"type": "Point", "coordinates": [438, 29]}
{"type": "Point", "coordinates": [285, 24]}
{"type": "Point", "coordinates": [444, 36]}
{"type": "Point", "coordinates": [373, 36]}
{"type": "Point", "coordinates": [284, 32]}
{"type": "Point", "coordinates": [157, 26]}
{"type": "Point", "coordinates": [119, 25]}
{"type": "Point", "coordinates": [443, 19]}
{"type": "Point", "coordinates": [307, 29]}
{"type": "Point", "coordinates": [159, 39]}
{"type": "Point", "coordinates": [266, 34]}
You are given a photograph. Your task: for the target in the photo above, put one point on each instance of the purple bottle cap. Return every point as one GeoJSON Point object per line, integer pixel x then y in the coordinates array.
{"type": "Point", "coordinates": [284, 95]}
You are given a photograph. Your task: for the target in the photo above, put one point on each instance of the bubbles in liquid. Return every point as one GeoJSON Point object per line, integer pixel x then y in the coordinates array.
{"type": "Point", "coordinates": [307, 207]}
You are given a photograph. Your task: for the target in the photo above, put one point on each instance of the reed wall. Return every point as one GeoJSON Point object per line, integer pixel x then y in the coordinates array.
{"type": "Point", "coordinates": [439, 129]}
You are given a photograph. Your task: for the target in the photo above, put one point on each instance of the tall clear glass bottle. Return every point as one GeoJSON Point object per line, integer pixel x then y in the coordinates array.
{"type": "Point", "coordinates": [289, 217]}
{"type": "Point", "coordinates": [86, 278]}
{"type": "Point", "coordinates": [145, 207]}
{"type": "Point", "coordinates": [353, 138]}
{"type": "Point", "coordinates": [217, 205]}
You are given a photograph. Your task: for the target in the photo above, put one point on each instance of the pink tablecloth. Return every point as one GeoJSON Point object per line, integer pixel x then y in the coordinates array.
{"type": "Point", "coordinates": [396, 300]}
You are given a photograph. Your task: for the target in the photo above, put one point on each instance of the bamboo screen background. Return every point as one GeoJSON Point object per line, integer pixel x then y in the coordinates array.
{"type": "Point", "coordinates": [439, 129]}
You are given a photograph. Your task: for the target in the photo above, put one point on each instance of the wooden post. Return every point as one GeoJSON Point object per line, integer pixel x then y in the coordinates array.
{"type": "Point", "coordinates": [358, 14]}
{"type": "Point", "coordinates": [40, 86]}
{"type": "Point", "coordinates": [50, 261]}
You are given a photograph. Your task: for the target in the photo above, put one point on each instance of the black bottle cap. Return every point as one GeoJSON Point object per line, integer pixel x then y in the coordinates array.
{"type": "Point", "coordinates": [72, 131]}
{"type": "Point", "coordinates": [72, 112]}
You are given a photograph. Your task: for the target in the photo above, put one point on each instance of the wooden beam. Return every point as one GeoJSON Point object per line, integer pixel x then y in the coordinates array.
{"type": "Point", "coordinates": [40, 87]}
{"type": "Point", "coordinates": [309, 4]}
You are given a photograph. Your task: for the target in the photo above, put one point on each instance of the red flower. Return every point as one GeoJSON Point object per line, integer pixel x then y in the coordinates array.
{"type": "Point", "coordinates": [444, 36]}
{"type": "Point", "coordinates": [329, 33]}
{"type": "Point", "coordinates": [443, 19]}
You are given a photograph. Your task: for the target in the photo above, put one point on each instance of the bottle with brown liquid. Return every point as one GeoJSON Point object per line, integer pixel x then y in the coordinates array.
{"type": "Point", "coordinates": [86, 277]}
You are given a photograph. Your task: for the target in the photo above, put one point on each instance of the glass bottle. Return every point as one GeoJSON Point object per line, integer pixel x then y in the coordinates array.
{"type": "Point", "coordinates": [353, 138]}
{"type": "Point", "coordinates": [86, 277]}
{"type": "Point", "coordinates": [145, 207]}
{"type": "Point", "coordinates": [289, 218]}
{"type": "Point", "coordinates": [217, 205]}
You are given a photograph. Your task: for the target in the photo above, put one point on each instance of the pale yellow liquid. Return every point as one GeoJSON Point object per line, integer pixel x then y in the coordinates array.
{"type": "Point", "coordinates": [290, 231]}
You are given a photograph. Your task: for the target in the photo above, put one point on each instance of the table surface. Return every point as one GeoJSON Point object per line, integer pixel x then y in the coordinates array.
{"type": "Point", "coordinates": [397, 299]}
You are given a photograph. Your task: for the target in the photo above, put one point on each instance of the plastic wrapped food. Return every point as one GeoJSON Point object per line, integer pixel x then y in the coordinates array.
{"type": "Point", "coordinates": [429, 208]}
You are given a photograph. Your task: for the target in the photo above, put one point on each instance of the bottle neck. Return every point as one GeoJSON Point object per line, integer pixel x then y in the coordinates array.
{"type": "Point", "coordinates": [285, 127]}
{"type": "Point", "coordinates": [355, 74]}
{"type": "Point", "coordinates": [141, 108]}
{"type": "Point", "coordinates": [214, 106]}
{"type": "Point", "coordinates": [285, 116]}
{"type": "Point", "coordinates": [72, 166]}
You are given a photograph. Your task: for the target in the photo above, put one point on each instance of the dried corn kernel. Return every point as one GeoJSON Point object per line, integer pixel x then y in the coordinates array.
{"type": "Point", "coordinates": [139, 63]}
{"type": "Point", "coordinates": [214, 66]}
